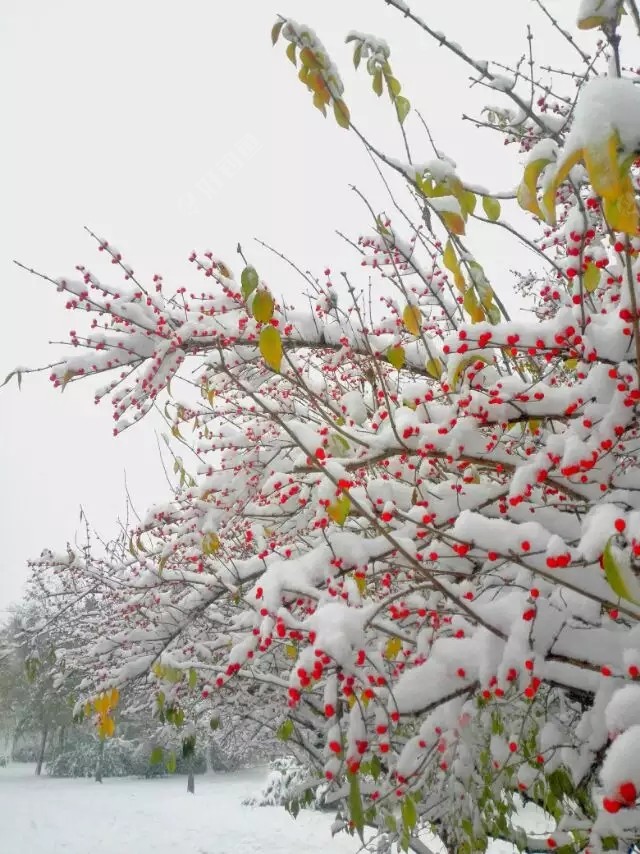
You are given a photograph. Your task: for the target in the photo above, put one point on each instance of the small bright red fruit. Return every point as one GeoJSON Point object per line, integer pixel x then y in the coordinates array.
{"type": "Point", "coordinates": [628, 793]}
{"type": "Point", "coordinates": [611, 804]}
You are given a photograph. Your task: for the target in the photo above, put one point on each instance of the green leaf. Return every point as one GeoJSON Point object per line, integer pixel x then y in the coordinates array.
{"type": "Point", "coordinates": [357, 54]}
{"type": "Point", "coordinates": [291, 52]}
{"type": "Point", "coordinates": [339, 509]}
{"type": "Point", "coordinates": [285, 730]}
{"type": "Point", "coordinates": [170, 763]}
{"type": "Point", "coordinates": [193, 678]}
{"type": "Point", "coordinates": [157, 755]}
{"type": "Point", "coordinates": [377, 82]}
{"type": "Point", "coordinates": [395, 357]}
{"type": "Point", "coordinates": [491, 208]}
{"type": "Point", "coordinates": [214, 724]}
{"type": "Point", "coordinates": [341, 113]}
{"type": "Point", "coordinates": [402, 108]}
{"type": "Point", "coordinates": [356, 811]}
{"type": "Point", "coordinates": [618, 572]}
{"type": "Point", "coordinates": [394, 86]}
{"type": "Point", "coordinates": [468, 202]}
{"type": "Point", "coordinates": [248, 281]}
{"type": "Point", "coordinates": [409, 813]}
{"type": "Point", "coordinates": [275, 31]}
{"type": "Point", "coordinates": [376, 767]}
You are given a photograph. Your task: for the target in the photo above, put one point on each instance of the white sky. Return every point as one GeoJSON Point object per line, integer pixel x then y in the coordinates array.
{"type": "Point", "coordinates": [121, 117]}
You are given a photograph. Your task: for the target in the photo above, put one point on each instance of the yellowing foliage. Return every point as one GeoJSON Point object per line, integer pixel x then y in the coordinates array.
{"type": "Point", "coordinates": [412, 319]}
{"type": "Point", "coordinates": [262, 306]}
{"type": "Point", "coordinates": [271, 347]}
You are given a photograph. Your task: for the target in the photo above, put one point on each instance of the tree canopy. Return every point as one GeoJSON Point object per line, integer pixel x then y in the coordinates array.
{"type": "Point", "coordinates": [405, 530]}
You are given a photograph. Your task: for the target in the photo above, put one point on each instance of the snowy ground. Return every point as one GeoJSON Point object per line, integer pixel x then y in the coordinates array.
{"type": "Point", "coordinates": [131, 816]}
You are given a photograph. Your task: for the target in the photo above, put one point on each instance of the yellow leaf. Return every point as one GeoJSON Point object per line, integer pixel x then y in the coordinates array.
{"type": "Point", "coordinates": [291, 52]}
{"type": "Point", "coordinates": [339, 510]}
{"type": "Point", "coordinates": [571, 364]}
{"type": "Point", "coordinates": [449, 258]}
{"type": "Point", "coordinates": [101, 704]}
{"type": "Point", "coordinates": [319, 103]}
{"type": "Point", "coordinates": [341, 113]}
{"type": "Point", "coordinates": [361, 584]}
{"type": "Point", "coordinates": [453, 222]}
{"type": "Point", "coordinates": [425, 185]}
{"type": "Point", "coordinates": [549, 196]}
{"type": "Point", "coordinates": [106, 727]}
{"type": "Point", "coordinates": [467, 201]}
{"type": "Point", "coordinates": [434, 368]}
{"type": "Point", "coordinates": [591, 278]}
{"type": "Point", "coordinates": [308, 58]}
{"type": "Point", "coordinates": [271, 347]}
{"type": "Point", "coordinates": [461, 367]}
{"type": "Point", "coordinates": [395, 356]}
{"type": "Point", "coordinates": [291, 650]}
{"type": "Point", "coordinates": [459, 279]}
{"type": "Point", "coordinates": [471, 305]}
{"type": "Point", "coordinates": [491, 208]}
{"type": "Point", "coordinates": [393, 647]}
{"type": "Point", "coordinates": [412, 319]}
{"type": "Point", "coordinates": [351, 700]}
{"type": "Point", "coordinates": [591, 22]}
{"type": "Point", "coordinates": [601, 162]}
{"type": "Point", "coordinates": [621, 213]}
{"type": "Point", "coordinates": [210, 543]}
{"type": "Point", "coordinates": [262, 306]}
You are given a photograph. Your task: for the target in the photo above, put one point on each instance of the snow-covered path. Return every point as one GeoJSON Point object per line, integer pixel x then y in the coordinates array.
{"type": "Point", "coordinates": [129, 816]}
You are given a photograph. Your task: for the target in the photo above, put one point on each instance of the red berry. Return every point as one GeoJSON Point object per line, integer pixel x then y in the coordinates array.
{"type": "Point", "coordinates": [628, 793]}
{"type": "Point", "coordinates": [611, 805]}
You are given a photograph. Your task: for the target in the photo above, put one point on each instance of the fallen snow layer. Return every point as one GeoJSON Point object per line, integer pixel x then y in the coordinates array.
{"type": "Point", "coordinates": [131, 816]}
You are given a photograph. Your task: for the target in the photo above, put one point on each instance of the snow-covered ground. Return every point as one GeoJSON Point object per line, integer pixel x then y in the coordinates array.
{"type": "Point", "coordinates": [130, 816]}
{"type": "Point", "coordinates": [42, 815]}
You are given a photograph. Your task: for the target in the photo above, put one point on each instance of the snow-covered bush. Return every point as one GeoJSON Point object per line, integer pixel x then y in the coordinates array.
{"type": "Point", "coordinates": [81, 759]}
{"type": "Point", "coordinates": [410, 543]}
{"type": "Point", "coordinates": [289, 785]}
{"type": "Point", "coordinates": [121, 758]}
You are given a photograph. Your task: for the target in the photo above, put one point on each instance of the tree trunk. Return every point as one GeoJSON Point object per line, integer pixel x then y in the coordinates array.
{"type": "Point", "coordinates": [14, 743]}
{"type": "Point", "coordinates": [61, 735]}
{"type": "Point", "coordinates": [43, 746]}
{"type": "Point", "coordinates": [100, 759]}
{"type": "Point", "coordinates": [191, 780]}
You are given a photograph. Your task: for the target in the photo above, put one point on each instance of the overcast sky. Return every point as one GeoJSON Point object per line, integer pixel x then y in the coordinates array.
{"type": "Point", "coordinates": [167, 127]}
